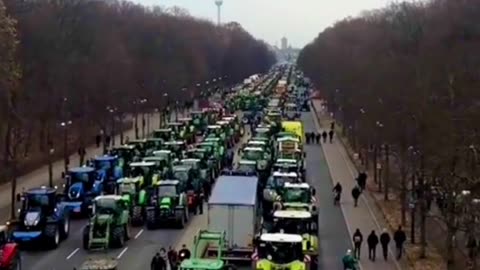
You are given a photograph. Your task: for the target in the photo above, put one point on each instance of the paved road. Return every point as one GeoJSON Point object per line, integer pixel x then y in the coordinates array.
{"type": "Point", "coordinates": [365, 217]}
{"type": "Point", "coordinates": [334, 238]}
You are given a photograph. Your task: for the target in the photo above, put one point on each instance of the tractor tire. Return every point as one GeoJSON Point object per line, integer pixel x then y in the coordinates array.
{"type": "Point", "coordinates": [86, 237]}
{"type": "Point", "coordinates": [118, 237]}
{"type": "Point", "coordinates": [151, 220]}
{"type": "Point", "coordinates": [137, 216]}
{"type": "Point", "coordinates": [65, 227]}
{"type": "Point", "coordinates": [51, 234]}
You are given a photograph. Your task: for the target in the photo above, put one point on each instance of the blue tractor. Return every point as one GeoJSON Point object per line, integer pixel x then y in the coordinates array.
{"type": "Point", "coordinates": [43, 219]}
{"type": "Point", "coordinates": [108, 172]}
{"type": "Point", "coordinates": [81, 187]}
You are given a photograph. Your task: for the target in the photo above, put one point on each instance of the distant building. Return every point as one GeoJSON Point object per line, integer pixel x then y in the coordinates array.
{"type": "Point", "coordinates": [284, 42]}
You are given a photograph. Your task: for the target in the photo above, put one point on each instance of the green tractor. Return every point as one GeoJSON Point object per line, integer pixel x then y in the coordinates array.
{"type": "Point", "coordinates": [178, 148]}
{"type": "Point", "coordinates": [140, 146]}
{"type": "Point", "coordinates": [206, 161]}
{"type": "Point", "coordinates": [238, 129]}
{"type": "Point", "coordinates": [299, 196]}
{"type": "Point", "coordinates": [192, 184]}
{"type": "Point", "coordinates": [201, 169]}
{"type": "Point", "coordinates": [162, 165]}
{"type": "Point", "coordinates": [214, 154]}
{"type": "Point", "coordinates": [153, 144]}
{"type": "Point", "coordinates": [166, 134]}
{"type": "Point", "coordinates": [199, 121]}
{"type": "Point", "coordinates": [168, 204]}
{"type": "Point", "coordinates": [190, 132]}
{"type": "Point", "coordinates": [126, 154]}
{"type": "Point", "coordinates": [181, 131]}
{"type": "Point", "coordinates": [280, 251]}
{"type": "Point", "coordinates": [136, 189]}
{"type": "Point", "coordinates": [108, 226]}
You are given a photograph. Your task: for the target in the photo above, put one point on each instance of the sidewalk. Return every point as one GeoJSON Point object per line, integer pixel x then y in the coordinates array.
{"type": "Point", "coordinates": [363, 217]}
{"type": "Point", "coordinates": [39, 176]}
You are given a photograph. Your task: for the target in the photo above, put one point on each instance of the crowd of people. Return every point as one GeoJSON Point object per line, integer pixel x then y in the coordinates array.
{"type": "Point", "coordinates": [312, 137]}
{"type": "Point", "coordinates": [170, 260]}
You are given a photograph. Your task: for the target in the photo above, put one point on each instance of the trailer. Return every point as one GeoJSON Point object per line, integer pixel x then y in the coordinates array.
{"type": "Point", "coordinates": [233, 208]}
{"type": "Point", "coordinates": [99, 264]}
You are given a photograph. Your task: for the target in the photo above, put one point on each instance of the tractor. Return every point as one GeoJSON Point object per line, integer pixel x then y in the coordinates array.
{"type": "Point", "coordinates": [166, 134]}
{"type": "Point", "coordinates": [140, 146]}
{"type": "Point", "coordinates": [126, 154]}
{"type": "Point", "coordinates": [274, 187]}
{"type": "Point", "coordinates": [207, 162]}
{"type": "Point", "coordinates": [178, 148]}
{"type": "Point", "coordinates": [299, 196]}
{"type": "Point", "coordinates": [108, 172]}
{"type": "Point", "coordinates": [168, 204]}
{"type": "Point", "coordinates": [201, 169]}
{"type": "Point", "coordinates": [153, 144]}
{"type": "Point", "coordinates": [180, 131]}
{"type": "Point", "coordinates": [163, 166]}
{"type": "Point", "coordinates": [191, 183]}
{"type": "Point", "coordinates": [199, 121]}
{"type": "Point", "coordinates": [280, 251]}
{"type": "Point", "coordinates": [42, 219]}
{"type": "Point", "coordinates": [298, 222]}
{"type": "Point", "coordinates": [189, 129]}
{"type": "Point", "coordinates": [136, 189]}
{"type": "Point", "coordinates": [10, 258]}
{"type": "Point", "coordinates": [290, 165]}
{"type": "Point", "coordinates": [108, 225]}
{"type": "Point", "coordinates": [80, 188]}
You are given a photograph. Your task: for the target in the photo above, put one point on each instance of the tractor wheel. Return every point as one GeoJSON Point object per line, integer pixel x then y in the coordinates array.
{"type": "Point", "coordinates": [127, 232]}
{"type": "Point", "coordinates": [137, 216]}
{"type": "Point", "coordinates": [86, 237]}
{"type": "Point", "coordinates": [151, 224]}
{"type": "Point", "coordinates": [118, 237]}
{"type": "Point", "coordinates": [52, 235]}
{"type": "Point", "coordinates": [65, 227]}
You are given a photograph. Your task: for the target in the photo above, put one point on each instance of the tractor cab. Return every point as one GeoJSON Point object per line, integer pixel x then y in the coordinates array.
{"type": "Point", "coordinates": [140, 146]}
{"type": "Point", "coordinates": [298, 193]}
{"type": "Point", "coordinates": [169, 193]}
{"type": "Point", "coordinates": [280, 251]}
{"type": "Point", "coordinates": [153, 144]}
{"type": "Point", "coordinates": [146, 171]}
{"type": "Point", "coordinates": [285, 177]}
{"type": "Point", "coordinates": [215, 130]}
{"type": "Point", "coordinates": [125, 153]}
{"type": "Point", "coordinates": [129, 187]}
{"type": "Point", "coordinates": [108, 171]}
{"type": "Point", "coordinates": [199, 121]}
{"type": "Point", "coordinates": [163, 133]}
{"type": "Point", "coordinates": [162, 165]}
{"type": "Point", "coordinates": [177, 147]}
{"type": "Point", "coordinates": [80, 183]}
{"type": "Point", "coordinates": [262, 132]}
{"type": "Point", "coordinates": [39, 200]}
{"type": "Point", "coordinates": [188, 123]}
{"type": "Point", "coordinates": [165, 154]}
{"type": "Point", "coordinates": [178, 129]}
{"type": "Point", "coordinates": [247, 166]}
{"type": "Point", "coordinates": [258, 155]}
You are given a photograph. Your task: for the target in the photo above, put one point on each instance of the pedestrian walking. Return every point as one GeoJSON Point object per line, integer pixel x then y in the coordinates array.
{"type": "Point", "coordinates": [356, 194]}
{"type": "Point", "coordinates": [158, 262]}
{"type": "Point", "coordinates": [317, 137]}
{"type": "Point", "coordinates": [324, 135]}
{"type": "Point", "coordinates": [172, 258]}
{"type": "Point", "coordinates": [332, 125]}
{"type": "Point", "coordinates": [362, 180]}
{"type": "Point", "coordinates": [399, 237]}
{"type": "Point", "coordinates": [307, 136]}
{"type": "Point", "coordinates": [108, 139]}
{"type": "Point", "coordinates": [357, 243]}
{"type": "Point", "coordinates": [98, 140]}
{"type": "Point", "coordinates": [127, 139]}
{"type": "Point", "coordinates": [330, 134]}
{"type": "Point", "coordinates": [384, 241]}
{"type": "Point", "coordinates": [372, 242]}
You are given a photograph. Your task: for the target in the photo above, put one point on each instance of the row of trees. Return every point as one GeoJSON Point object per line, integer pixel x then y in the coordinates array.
{"type": "Point", "coordinates": [83, 63]}
{"type": "Point", "coordinates": [404, 80]}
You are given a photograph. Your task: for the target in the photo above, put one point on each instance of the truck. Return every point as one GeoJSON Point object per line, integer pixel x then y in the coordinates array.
{"type": "Point", "coordinates": [233, 208]}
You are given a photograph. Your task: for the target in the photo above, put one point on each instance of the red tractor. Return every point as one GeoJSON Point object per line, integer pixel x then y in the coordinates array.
{"type": "Point", "coordinates": [9, 252]}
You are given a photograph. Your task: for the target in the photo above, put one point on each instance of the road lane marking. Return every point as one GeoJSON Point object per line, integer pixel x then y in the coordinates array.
{"type": "Point", "coordinates": [73, 253]}
{"type": "Point", "coordinates": [121, 253]}
{"type": "Point", "coordinates": [138, 234]}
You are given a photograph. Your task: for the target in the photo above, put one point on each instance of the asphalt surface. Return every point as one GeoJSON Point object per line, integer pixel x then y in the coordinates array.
{"type": "Point", "coordinates": [333, 237]}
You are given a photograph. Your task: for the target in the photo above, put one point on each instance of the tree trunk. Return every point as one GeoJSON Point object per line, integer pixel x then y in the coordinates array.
{"type": "Point", "coordinates": [403, 193]}
{"type": "Point", "coordinates": [387, 172]}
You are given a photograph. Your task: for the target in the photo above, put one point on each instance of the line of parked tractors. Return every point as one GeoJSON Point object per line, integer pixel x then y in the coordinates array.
{"type": "Point", "coordinates": [158, 181]}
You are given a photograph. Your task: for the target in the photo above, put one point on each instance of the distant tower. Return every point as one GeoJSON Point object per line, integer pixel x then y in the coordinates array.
{"type": "Point", "coordinates": [284, 43]}
{"type": "Point", "coordinates": [219, 7]}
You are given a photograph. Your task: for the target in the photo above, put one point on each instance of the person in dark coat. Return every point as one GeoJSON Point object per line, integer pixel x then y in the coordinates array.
{"type": "Point", "coordinates": [472, 246]}
{"type": "Point", "coordinates": [184, 253]}
{"type": "Point", "coordinates": [372, 242]}
{"type": "Point", "coordinates": [357, 243]}
{"type": "Point", "coordinates": [399, 237]}
{"type": "Point", "coordinates": [332, 125]}
{"type": "Point", "coordinates": [330, 134]}
{"type": "Point", "coordinates": [158, 263]}
{"type": "Point", "coordinates": [384, 241]}
{"type": "Point", "coordinates": [172, 258]}
{"type": "Point", "coordinates": [356, 194]}
{"type": "Point", "coordinates": [324, 135]}
{"type": "Point", "coordinates": [307, 136]}
{"type": "Point", "coordinates": [362, 180]}
{"type": "Point", "coordinates": [98, 140]}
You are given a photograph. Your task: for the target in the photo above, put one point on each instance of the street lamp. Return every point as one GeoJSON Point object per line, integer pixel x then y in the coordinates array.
{"type": "Point", "coordinates": [65, 125]}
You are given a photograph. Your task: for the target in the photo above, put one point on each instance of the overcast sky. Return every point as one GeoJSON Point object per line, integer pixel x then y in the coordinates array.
{"type": "Point", "coordinates": [298, 20]}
